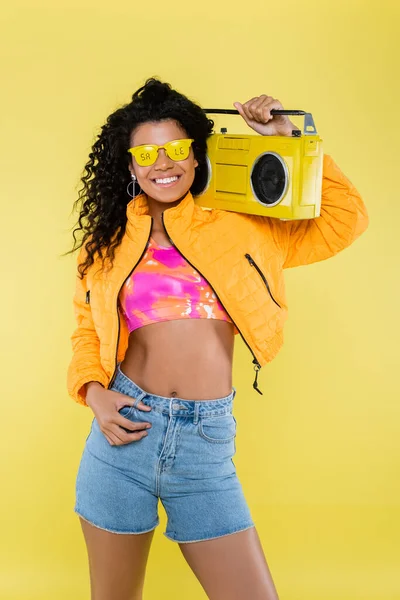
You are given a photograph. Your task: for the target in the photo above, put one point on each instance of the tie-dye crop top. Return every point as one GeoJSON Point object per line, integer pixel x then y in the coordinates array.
{"type": "Point", "coordinates": [163, 287]}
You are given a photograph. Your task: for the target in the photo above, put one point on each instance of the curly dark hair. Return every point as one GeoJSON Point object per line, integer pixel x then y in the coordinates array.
{"type": "Point", "coordinates": [103, 197]}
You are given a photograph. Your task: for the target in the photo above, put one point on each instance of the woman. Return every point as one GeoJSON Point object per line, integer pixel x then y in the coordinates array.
{"type": "Point", "coordinates": [163, 287]}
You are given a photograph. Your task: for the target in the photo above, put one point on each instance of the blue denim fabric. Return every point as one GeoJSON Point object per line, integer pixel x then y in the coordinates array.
{"type": "Point", "coordinates": [186, 461]}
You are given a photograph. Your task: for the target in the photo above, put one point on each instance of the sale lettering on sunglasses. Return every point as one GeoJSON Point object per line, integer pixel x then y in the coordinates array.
{"type": "Point", "coordinates": [146, 154]}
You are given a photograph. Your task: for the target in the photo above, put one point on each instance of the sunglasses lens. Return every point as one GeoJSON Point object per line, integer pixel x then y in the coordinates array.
{"type": "Point", "coordinates": [146, 155]}
{"type": "Point", "coordinates": [178, 150]}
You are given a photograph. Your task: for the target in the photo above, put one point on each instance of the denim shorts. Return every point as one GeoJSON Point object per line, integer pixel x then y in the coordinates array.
{"type": "Point", "coordinates": [186, 461]}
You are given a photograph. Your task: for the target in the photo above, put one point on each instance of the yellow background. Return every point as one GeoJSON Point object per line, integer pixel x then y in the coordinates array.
{"type": "Point", "coordinates": [318, 453]}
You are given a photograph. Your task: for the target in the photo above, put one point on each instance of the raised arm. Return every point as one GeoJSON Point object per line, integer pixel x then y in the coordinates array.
{"type": "Point", "coordinates": [342, 220]}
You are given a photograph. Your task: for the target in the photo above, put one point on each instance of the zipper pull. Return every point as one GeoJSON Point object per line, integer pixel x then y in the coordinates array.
{"type": "Point", "coordinates": [251, 261]}
{"type": "Point", "coordinates": [257, 367]}
{"type": "Point", "coordinates": [88, 297]}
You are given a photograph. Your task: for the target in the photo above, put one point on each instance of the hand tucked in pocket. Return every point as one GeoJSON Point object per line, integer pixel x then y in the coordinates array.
{"type": "Point", "coordinates": [106, 405]}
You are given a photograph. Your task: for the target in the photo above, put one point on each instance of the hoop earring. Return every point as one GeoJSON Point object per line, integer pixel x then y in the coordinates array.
{"type": "Point", "coordinates": [134, 182]}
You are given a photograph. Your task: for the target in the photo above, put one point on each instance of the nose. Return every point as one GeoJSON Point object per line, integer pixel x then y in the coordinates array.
{"type": "Point", "coordinates": [163, 161]}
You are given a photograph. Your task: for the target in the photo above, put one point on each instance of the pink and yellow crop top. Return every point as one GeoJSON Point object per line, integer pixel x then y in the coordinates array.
{"type": "Point", "coordinates": [163, 287]}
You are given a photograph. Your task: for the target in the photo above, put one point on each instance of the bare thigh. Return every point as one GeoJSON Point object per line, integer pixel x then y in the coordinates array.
{"type": "Point", "coordinates": [232, 566]}
{"type": "Point", "coordinates": [117, 562]}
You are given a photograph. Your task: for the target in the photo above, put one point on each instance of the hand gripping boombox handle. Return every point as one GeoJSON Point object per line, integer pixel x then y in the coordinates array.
{"type": "Point", "coordinates": [309, 127]}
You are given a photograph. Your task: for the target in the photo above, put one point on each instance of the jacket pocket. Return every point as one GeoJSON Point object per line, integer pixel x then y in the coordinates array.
{"type": "Point", "coordinates": [254, 264]}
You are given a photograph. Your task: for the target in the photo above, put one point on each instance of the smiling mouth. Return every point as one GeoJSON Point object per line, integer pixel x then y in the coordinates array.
{"type": "Point", "coordinates": [168, 181]}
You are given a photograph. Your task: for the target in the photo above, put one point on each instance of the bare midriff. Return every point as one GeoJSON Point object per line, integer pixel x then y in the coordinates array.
{"type": "Point", "coordinates": [183, 358]}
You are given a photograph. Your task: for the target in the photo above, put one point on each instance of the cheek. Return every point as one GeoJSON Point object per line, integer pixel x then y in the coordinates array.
{"type": "Point", "coordinates": [189, 165]}
{"type": "Point", "coordinates": [142, 172]}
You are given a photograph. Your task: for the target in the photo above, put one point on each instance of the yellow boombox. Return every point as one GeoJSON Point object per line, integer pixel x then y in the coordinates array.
{"type": "Point", "coordinates": [275, 176]}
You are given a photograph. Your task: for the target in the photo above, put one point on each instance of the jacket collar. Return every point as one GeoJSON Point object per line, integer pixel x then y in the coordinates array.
{"type": "Point", "coordinates": [183, 211]}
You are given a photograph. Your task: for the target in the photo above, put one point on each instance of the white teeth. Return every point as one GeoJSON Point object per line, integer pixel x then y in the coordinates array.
{"type": "Point", "coordinates": [168, 180]}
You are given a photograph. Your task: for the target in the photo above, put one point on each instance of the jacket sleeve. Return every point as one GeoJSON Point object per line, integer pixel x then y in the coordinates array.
{"type": "Point", "coordinates": [343, 218]}
{"type": "Point", "coordinates": [85, 364]}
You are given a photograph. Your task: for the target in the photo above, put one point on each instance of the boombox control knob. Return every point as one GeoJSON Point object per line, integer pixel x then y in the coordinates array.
{"type": "Point", "coordinates": [224, 130]}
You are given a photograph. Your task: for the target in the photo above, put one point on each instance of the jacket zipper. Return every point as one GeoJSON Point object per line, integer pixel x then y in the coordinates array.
{"type": "Point", "coordinates": [257, 365]}
{"type": "Point", "coordinates": [119, 326]}
{"type": "Point", "coordinates": [88, 297]}
{"type": "Point", "coordinates": [253, 264]}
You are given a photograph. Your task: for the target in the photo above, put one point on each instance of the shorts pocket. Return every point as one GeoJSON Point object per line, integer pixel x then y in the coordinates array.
{"type": "Point", "coordinates": [218, 430]}
{"type": "Point", "coordinates": [126, 411]}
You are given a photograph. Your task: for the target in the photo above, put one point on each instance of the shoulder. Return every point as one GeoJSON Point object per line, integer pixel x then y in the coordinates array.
{"type": "Point", "coordinates": [217, 214]}
{"type": "Point", "coordinates": [240, 222]}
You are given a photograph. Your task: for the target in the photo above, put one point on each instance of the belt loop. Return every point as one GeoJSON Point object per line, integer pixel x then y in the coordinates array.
{"type": "Point", "coordinates": [138, 399]}
{"type": "Point", "coordinates": [196, 413]}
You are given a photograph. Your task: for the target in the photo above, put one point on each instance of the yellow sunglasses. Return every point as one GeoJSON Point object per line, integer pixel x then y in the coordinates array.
{"type": "Point", "coordinates": [146, 154]}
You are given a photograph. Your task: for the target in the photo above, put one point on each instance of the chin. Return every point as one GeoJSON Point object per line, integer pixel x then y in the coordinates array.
{"type": "Point", "coordinates": [166, 195]}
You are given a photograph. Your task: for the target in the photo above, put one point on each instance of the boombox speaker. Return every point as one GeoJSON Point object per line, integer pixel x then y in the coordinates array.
{"type": "Point", "coordinates": [275, 176]}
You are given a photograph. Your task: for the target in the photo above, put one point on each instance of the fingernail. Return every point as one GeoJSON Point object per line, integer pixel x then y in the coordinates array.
{"type": "Point", "coordinates": [148, 426]}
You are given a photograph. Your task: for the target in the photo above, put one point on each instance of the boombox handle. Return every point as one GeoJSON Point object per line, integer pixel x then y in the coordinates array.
{"type": "Point", "coordinates": [309, 127]}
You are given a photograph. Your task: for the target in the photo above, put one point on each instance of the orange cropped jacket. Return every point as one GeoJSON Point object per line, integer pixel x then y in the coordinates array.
{"type": "Point", "coordinates": [242, 257]}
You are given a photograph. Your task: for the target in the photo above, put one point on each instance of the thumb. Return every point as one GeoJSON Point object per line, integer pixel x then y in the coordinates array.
{"type": "Point", "coordinates": [128, 400]}
{"type": "Point", "coordinates": [239, 108]}
{"type": "Point", "coordinates": [141, 406]}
